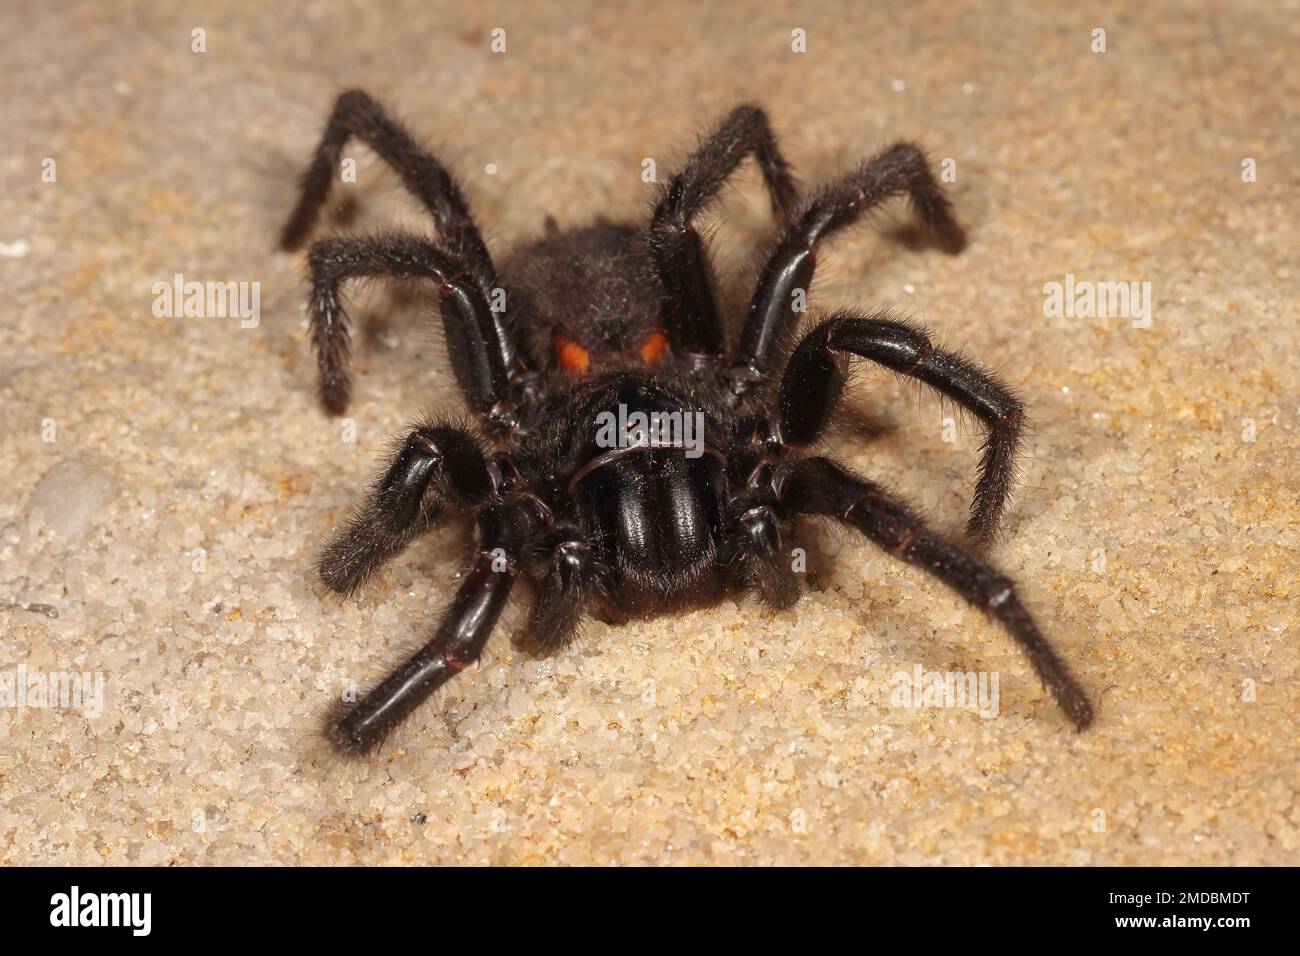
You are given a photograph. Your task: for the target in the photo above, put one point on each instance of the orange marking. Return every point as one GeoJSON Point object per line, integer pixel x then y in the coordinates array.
{"type": "Point", "coordinates": [653, 349]}
{"type": "Point", "coordinates": [571, 356]}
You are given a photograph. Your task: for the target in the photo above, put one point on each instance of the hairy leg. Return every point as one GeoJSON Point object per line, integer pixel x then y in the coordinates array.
{"type": "Point", "coordinates": [477, 343]}
{"type": "Point", "coordinates": [566, 590]}
{"type": "Point", "coordinates": [900, 170]}
{"type": "Point", "coordinates": [434, 466]}
{"type": "Point", "coordinates": [689, 308]}
{"type": "Point", "coordinates": [759, 532]}
{"type": "Point", "coordinates": [819, 486]}
{"type": "Point", "coordinates": [813, 381]}
{"type": "Point", "coordinates": [461, 635]}
{"type": "Point", "coordinates": [357, 115]}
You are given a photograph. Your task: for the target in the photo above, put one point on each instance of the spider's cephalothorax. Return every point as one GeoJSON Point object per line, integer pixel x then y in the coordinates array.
{"type": "Point", "coordinates": [630, 462]}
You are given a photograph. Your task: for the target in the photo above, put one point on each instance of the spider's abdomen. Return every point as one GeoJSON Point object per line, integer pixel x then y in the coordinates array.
{"type": "Point", "coordinates": [588, 293]}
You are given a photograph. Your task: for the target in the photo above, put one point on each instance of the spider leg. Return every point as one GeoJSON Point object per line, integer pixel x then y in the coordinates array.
{"type": "Point", "coordinates": [565, 591]}
{"type": "Point", "coordinates": [356, 114]}
{"type": "Point", "coordinates": [479, 347]}
{"type": "Point", "coordinates": [758, 535]}
{"type": "Point", "coordinates": [434, 465]}
{"type": "Point", "coordinates": [819, 486]}
{"type": "Point", "coordinates": [812, 383]}
{"type": "Point", "coordinates": [504, 528]}
{"type": "Point", "coordinates": [899, 170]}
{"type": "Point", "coordinates": [689, 309]}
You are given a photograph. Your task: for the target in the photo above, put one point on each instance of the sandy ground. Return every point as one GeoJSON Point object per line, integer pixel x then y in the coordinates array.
{"type": "Point", "coordinates": [167, 480]}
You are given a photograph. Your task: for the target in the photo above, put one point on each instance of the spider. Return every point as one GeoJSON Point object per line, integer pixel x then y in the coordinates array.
{"type": "Point", "coordinates": [622, 318]}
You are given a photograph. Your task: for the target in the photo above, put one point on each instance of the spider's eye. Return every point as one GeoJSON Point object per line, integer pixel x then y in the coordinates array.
{"type": "Point", "coordinates": [571, 356]}
{"type": "Point", "coordinates": [653, 348]}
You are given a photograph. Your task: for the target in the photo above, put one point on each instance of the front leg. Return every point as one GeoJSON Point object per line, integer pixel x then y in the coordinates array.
{"type": "Point", "coordinates": [819, 486]}
{"type": "Point", "coordinates": [759, 530]}
{"type": "Point", "coordinates": [504, 528]}
{"type": "Point", "coordinates": [566, 590]}
{"type": "Point", "coordinates": [434, 465]}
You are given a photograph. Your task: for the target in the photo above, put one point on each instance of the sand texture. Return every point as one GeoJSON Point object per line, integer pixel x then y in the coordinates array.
{"type": "Point", "coordinates": [168, 480]}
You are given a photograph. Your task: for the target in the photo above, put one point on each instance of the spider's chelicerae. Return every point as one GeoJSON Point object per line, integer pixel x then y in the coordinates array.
{"type": "Point", "coordinates": [604, 510]}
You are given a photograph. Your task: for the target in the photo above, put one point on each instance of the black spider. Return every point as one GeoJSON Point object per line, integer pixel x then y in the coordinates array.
{"type": "Point", "coordinates": [622, 317]}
